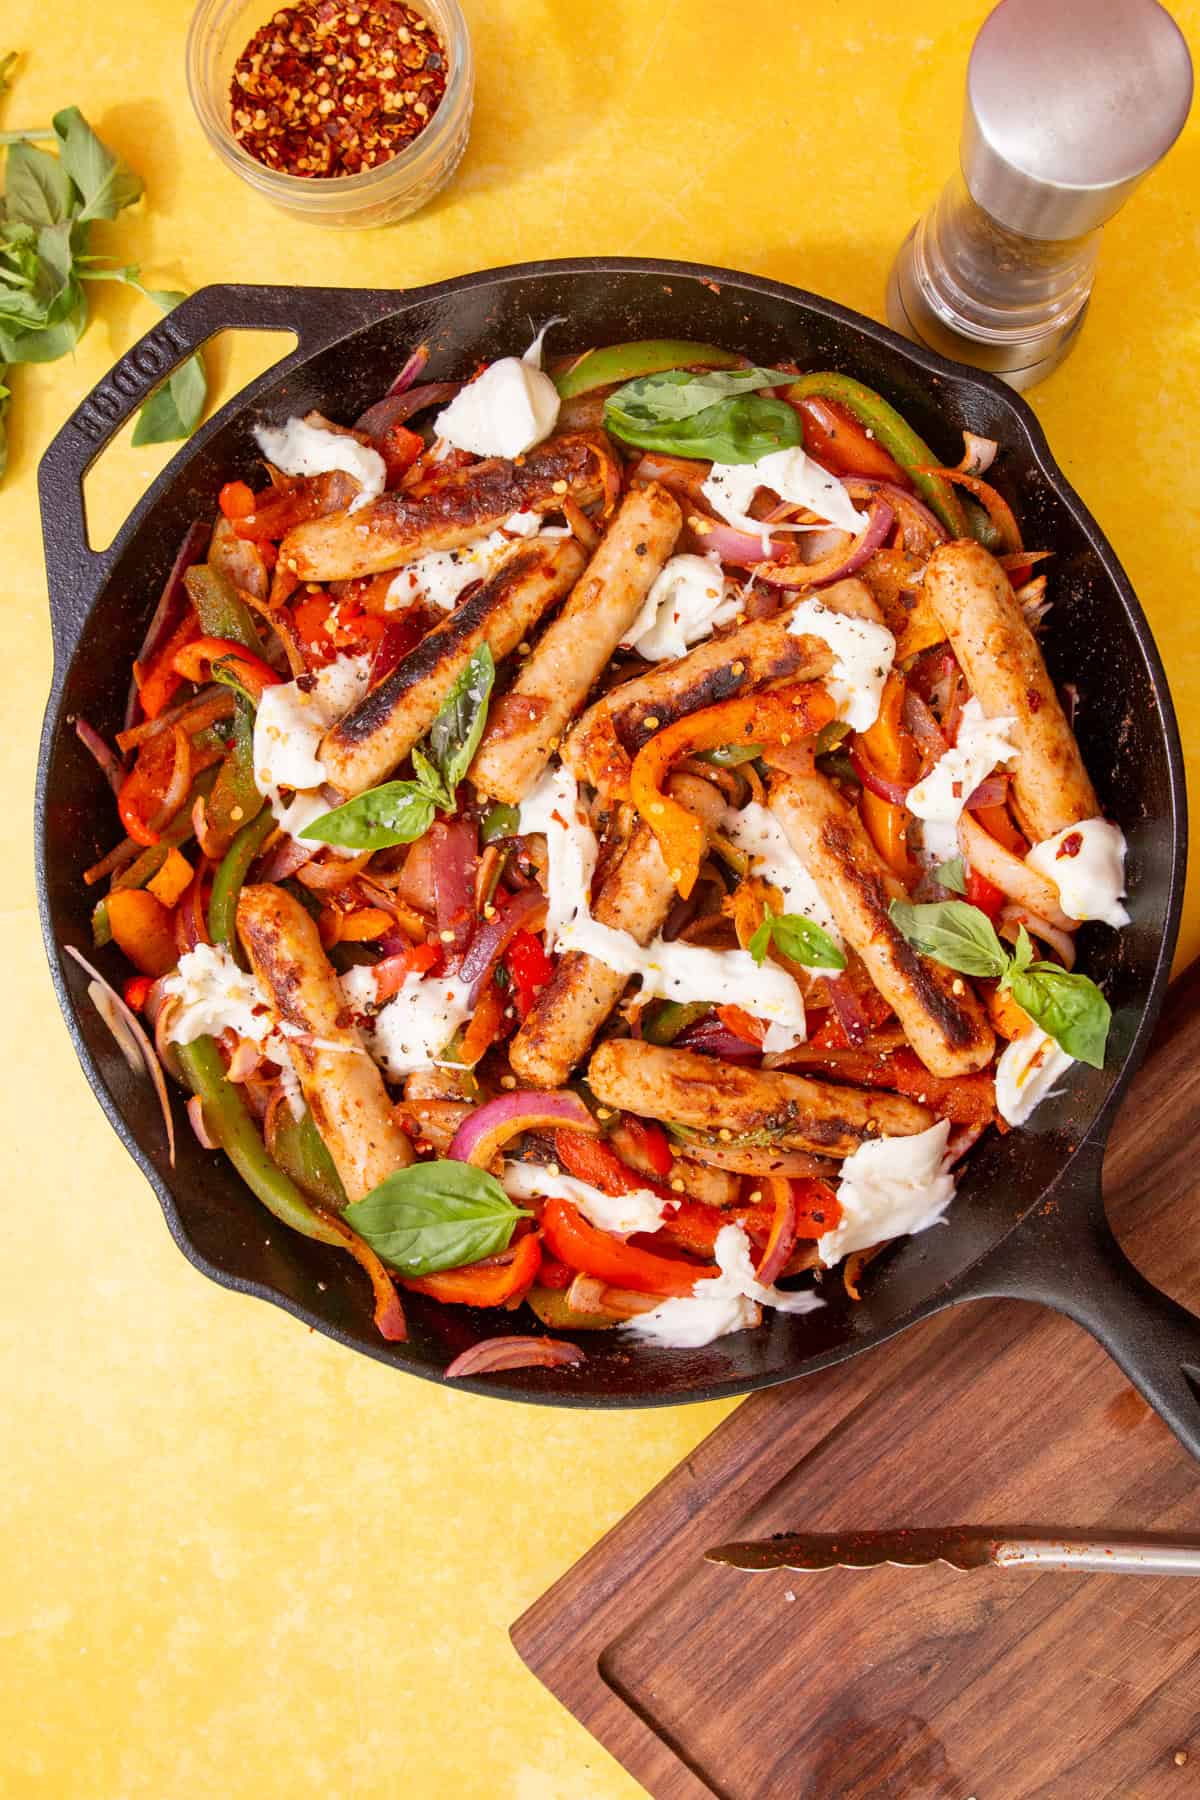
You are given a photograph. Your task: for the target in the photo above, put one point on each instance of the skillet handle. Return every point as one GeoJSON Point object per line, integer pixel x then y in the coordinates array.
{"type": "Point", "coordinates": [74, 571]}
{"type": "Point", "coordinates": [1067, 1258]}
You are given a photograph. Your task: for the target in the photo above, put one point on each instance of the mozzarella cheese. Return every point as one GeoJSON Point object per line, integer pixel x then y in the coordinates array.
{"type": "Point", "coordinates": [890, 1187]}
{"type": "Point", "coordinates": [622, 1214]}
{"type": "Point", "coordinates": [505, 411]}
{"type": "Point", "coordinates": [413, 1029]}
{"type": "Point", "coordinates": [756, 831]}
{"type": "Point", "coordinates": [689, 598]}
{"type": "Point", "coordinates": [215, 995]}
{"type": "Point", "coordinates": [1086, 863]}
{"type": "Point", "coordinates": [863, 654]}
{"type": "Point", "coordinates": [723, 1303]}
{"type": "Point", "coordinates": [302, 449]}
{"type": "Point", "coordinates": [441, 575]}
{"type": "Point", "coordinates": [982, 745]}
{"type": "Point", "coordinates": [1026, 1073]}
{"type": "Point", "coordinates": [731, 487]}
{"type": "Point", "coordinates": [292, 718]}
{"type": "Point", "coordinates": [553, 808]}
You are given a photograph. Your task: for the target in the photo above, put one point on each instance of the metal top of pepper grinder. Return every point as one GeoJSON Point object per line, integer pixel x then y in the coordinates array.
{"type": "Point", "coordinates": [1069, 104]}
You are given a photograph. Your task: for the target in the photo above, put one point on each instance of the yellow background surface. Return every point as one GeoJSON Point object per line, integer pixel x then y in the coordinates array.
{"type": "Point", "coordinates": [235, 1560]}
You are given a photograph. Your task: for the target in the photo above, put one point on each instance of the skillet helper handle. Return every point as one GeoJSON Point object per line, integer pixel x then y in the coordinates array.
{"type": "Point", "coordinates": [75, 572]}
{"type": "Point", "coordinates": [1069, 1259]}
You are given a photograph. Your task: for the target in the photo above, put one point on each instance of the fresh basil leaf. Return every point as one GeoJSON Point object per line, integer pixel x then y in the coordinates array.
{"type": "Point", "coordinates": [176, 408]}
{"type": "Point", "coordinates": [106, 186]}
{"type": "Point", "coordinates": [455, 733]}
{"type": "Point", "coordinates": [429, 778]}
{"type": "Point", "coordinates": [954, 934]}
{"type": "Point", "coordinates": [5, 400]}
{"type": "Point", "coordinates": [37, 188]}
{"type": "Point", "coordinates": [399, 812]}
{"type": "Point", "coordinates": [1022, 955]}
{"type": "Point", "coordinates": [435, 1215]}
{"type": "Point", "coordinates": [681, 393]}
{"type": "Point", "coordinates": [800, 939]}
{"type": "Point", "coordinates": [54, 339]}
{"type": "Point", "coordinates": [952, 875]}
{"type": "Point", "coordinates": [1069, 1008]}
{"type": "Point", "coordinates": [739, 430]}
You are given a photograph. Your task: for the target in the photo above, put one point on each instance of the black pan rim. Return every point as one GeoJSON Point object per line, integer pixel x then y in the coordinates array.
{"type": "Point", "coordinates": [536, 1389]}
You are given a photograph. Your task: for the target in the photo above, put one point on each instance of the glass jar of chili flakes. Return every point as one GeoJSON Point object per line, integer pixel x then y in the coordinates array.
{"type": "Point", "coordinates": [341, 112]}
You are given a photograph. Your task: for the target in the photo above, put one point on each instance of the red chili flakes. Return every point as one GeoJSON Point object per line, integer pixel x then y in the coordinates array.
{"type": "Point", "coordinates": [1071, 845]}
{"type": "Point", "coordinates": [326, 88]}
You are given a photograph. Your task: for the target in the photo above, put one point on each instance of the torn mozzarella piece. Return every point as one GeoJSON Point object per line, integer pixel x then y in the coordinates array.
{"type": "Point", "coordinates": [982, 745]}
{"type": "Point", "coordinates": [440, 576]}
{"type": "Point", "coordinates": [553, 808]}
{"type": "Point", "coordinates": [757, 832]}
{"type": "Point", "coordinates": [622, 1214]}
{"type": "Point", "coordinates": [292, 718]}
{"type": "Point", "coordinates": [214, 996]}
{"type": "Point", "coordinates": [690, 597]}
{"type": "Point", "coordinates": [723, 1303]}
{"type": "Point", "coordinates": [414, 1028]}
{"type": "Point", "coordinates": [505, 411]}
{"type": "Point", "coordinates": [1086, 863]}
{"type": "Point", "coordinates": [863, 653]}
{"type": "Point", "coordinates": [730, 489]}
{"type": "Point", "coordinates": [890, 1188]}
{"type": "Point", "coordinates": [299, 448]}
{"type": "Point", "coordinates": [1026, 1073]}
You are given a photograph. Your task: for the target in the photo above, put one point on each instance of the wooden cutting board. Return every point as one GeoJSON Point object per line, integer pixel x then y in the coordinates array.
{"type": "Point", "coordinates": [920, 1684]}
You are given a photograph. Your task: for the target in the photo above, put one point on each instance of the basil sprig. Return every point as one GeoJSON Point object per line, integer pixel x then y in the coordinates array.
{"type": "Point", "coordinates": [952, 874]}
{"type": "Point", "coordinates": [435, 1215]}
{"type": "Point", "coordinates": [401, 811]}
{"type": "Point", "coordinates": [796, 937]}
{"type": "Point", "coordinates": [1069, 1008]}
{"type": "Point", "coordinates": [715, 414]}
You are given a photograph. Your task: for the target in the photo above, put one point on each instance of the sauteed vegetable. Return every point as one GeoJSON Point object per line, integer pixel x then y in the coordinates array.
{"type": "Point", "coordinates": [605, 839]}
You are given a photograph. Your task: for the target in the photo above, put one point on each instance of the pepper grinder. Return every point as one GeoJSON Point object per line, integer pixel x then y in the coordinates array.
{"type": "Point", "coordinates": [1069, 104]}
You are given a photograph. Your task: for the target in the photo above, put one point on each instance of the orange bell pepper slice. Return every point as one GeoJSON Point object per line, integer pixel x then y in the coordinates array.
{"type": "Point", "coordinates": [142, 930]}
{"type": "Point", "coordinates": [159, 681]}
{"type": "Point", "coordinates": [194, 662]}
{"type": "Point", "coordinates": [889, 747]}
{"type": "Point", "coordinates": [887, 828]}
{"type": "Point", "coordinates": [784, 717]}
{"type": "Point", "coordinates": [997, 822]}
{"type": "Point", "coordinates": [994, 504]}
{"type": "Point", "coordinates": [494, 1285]}
{"type": "Point", "coordinates": [571, 1240]}
{"type": "Point", "coordinates": [487, 1024]}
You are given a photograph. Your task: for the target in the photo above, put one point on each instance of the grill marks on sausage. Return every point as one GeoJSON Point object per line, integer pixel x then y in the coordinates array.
{"type": "Point", "coordinates": [960, 1030]}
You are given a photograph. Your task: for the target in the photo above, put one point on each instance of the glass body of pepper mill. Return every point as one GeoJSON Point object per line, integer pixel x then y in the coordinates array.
{"type": "Point", "coordinates": [1069, 103]}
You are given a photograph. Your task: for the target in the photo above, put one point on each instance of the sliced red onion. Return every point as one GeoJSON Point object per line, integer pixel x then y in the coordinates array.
{"type": "Point", "coordinates": [921, 721]}
{"type": "Point", "coordinates": [849, 1009]}
{"type": "Point", "coordinates": [397, 409]}
{"type": "Point", "coordinates": [714, 1039]}
{"type": "Point", "coordinates": [743, 549]}
{"type": "Point", "coordinates": [494, 1354]}
{"type": "Point", "coordinates": [195, 1113]}
{"type": "Point", "coordinates": [170, 603]}
{"type": "Point", "coordinates": [893, 791]}
{"type": "Point", "coordinates": [919, 528]}
{"type": "Point", "coordinates": [1061, 942]}
{"type": "Point", "coordinates": [491, 1126]}
{"type": "Point", "coordinates": [133, 1024]}
{"type": "Point", "coordinates": [285, 858]}
{"type": "Point", "coordinates": [875, 530]}
{"type": "Point", "coordinates": [979, 453]}
{"type": "Point", "coordinates": [453, 845]}
{"type": "Point", "coordinates": [992, 791]}
{"type": "Point", "coordinates": [409, 372]}
{"type": "Point", "coordinates": [494, 936]}
{"type": "Point", "coordinates": [107, 758]}
{"type": "Point", "coordinates": [782, 1240]}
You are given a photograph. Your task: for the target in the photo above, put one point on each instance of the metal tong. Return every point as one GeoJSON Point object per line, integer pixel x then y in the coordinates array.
{"type": "Point", "coordinates": [966, 1547]}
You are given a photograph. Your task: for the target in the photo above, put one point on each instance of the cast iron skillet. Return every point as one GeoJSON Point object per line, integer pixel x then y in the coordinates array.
{"type": "Point", "coordinates": [1002, 1237]}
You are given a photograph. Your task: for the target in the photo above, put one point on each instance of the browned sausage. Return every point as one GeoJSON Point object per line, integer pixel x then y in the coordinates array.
{"type": "Point", "coordinates": [363, 748]}
{"type": "Point", "coordinates": [973, 599]}
{"type": "Point", "coordinates": [343, 1088]}
{"type": "Point", "coordinates": [684, 1088]}
{"type": "Point", "coordinates": [572, 652]}
{"type": "Point", "coordinates": [940, 1012]}
{"type": "Point", "coordinates": [636, 897]}
{"type": "Point", "coordinates": [449, 510]}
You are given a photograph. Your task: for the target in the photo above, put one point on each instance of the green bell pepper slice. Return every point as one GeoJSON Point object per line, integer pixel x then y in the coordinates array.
{"type": "Point", "coordinates": [220, 609]}
{"type": "Point", "coordinates": [895, 434]}
{"type": "Point", "coordinates": [665, 1023]}
{"type": "Point", "coordinates": [230, 878]}
{"type": "Point", "coordinates": [302, 1154]}
{"type": "Point", "coordinates": [622, 362]}
{"type": "Point", "coordinates": [229, 1123]}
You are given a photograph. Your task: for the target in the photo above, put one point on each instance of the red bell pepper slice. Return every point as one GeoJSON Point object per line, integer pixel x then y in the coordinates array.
{"type": "Point", "coordinates": [195, 663]}
{"type": "Point", "coordinates": [985, 895]}
{"type": "Point", "coordinates": [817, 1207]}
{"type": "Point", "coordinates": [529, 969]}
{"type": "Point", "coordinates": [836, 439]}
{"type": "Point", "coordinates": [493, 1285]}
{"type": "Point", "coordinates": [571, 1240]}
{"type": "Point", "coordinates": [651, 1142]}
{"type": "Point", "coordinates": [590, 1159]}
{"type": "Point", "coordinates": [159, 681]}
